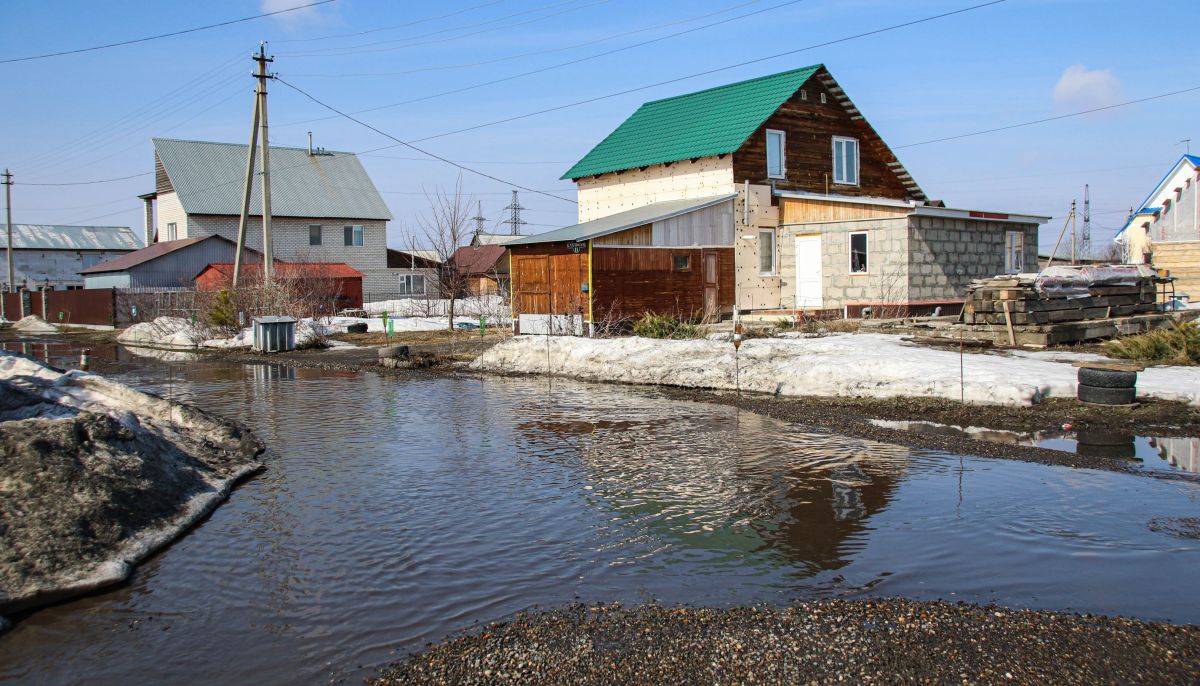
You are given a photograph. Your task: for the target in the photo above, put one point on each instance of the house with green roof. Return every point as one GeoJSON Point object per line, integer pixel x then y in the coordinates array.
{"type": "Point", "coordinates": [779, 194]}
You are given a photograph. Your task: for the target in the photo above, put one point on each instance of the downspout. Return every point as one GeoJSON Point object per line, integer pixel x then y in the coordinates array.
{"type": "Point", "coordinates": [512, 295]}
{"type": "Point", "coordinates": [591, 290]}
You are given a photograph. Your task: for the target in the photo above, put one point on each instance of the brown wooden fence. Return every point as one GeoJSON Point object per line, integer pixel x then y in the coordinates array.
{"type": "Point", "coordinates": [85, 306]}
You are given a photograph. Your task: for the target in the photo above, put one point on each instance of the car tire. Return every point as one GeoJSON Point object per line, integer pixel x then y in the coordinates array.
{"type": "Point", "coordinates": [1100, 395]}
{"type": "Point", "coordinates": [1107, 378]}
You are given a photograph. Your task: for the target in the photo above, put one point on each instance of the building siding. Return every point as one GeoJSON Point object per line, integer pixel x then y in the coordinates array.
{"type": "Point", "coordinates": [56, 269]}
{"type": "Point", "coordinates": [620, 191]}
{"type": "Point", "coordinates": [170, 210]}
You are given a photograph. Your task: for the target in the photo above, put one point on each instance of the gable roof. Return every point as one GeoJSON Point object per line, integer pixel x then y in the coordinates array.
{"type": "Point", "coordinates": [1192, 161]}
{"type": "Point", "coordinates": [336, 270]}
{"type": "Point", "coordinates": [60, 237]}
{"type": "Point", "coordinates": [613, 223]}
{"type": "Point", "coordinates": [208, 179]}
{"type": "Point", "coordinates": [715, 121]}
{"type": "Point", "coordinates": [492, 238]}
{"type": "Point", "coordinates": [477, 259]}
{"type": "Point", "coordinates": [154, 251]}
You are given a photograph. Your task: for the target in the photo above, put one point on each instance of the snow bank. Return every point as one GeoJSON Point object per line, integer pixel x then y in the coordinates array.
{"type": "Point", "coordinates": [175, 333]}
{"type": "Point", "coordinates": [847, 365]}
{"type": "Point", "coordinates": [34, 324]}
{"type": "Point", "coordinates": [98, 476]}
{"type": "Point", "coordinates": [491, 306]}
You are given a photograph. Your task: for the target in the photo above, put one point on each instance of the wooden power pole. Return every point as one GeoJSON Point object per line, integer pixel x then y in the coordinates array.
{"type": "Point", "coordinates": [257, 120]}
{"type": "Point", "coordinates": [12, 281]}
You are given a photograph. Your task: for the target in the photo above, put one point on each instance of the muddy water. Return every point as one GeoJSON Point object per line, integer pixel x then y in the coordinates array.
{"type": "Point", "coordinates": [395, 512]}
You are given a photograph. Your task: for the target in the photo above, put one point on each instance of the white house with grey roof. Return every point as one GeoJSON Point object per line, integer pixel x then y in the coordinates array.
{"type": "Point", "coordinates": [324, 207]}
{"type": "Point", "coordinates": [52, 255]}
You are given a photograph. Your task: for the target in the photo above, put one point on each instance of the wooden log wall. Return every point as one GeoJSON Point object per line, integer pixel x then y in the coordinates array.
{"type": "Point", "coordinates": [628, 282]}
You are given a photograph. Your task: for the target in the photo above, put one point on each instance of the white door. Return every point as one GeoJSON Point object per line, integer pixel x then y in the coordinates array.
{"type": "Point", "coordinates": [808, 272]}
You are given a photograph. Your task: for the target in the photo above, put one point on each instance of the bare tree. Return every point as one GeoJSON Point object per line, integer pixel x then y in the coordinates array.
{"type": "Point", "coordinates": [446, 225]}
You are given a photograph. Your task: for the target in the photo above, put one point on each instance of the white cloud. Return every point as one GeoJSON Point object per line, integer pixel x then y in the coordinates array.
{"type": "Point", "coordinates": [1080, 88]}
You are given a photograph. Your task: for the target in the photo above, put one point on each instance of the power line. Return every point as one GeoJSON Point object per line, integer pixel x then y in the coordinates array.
{"type": "Point", "coordinates": [708, 72]}
{"type": "Point", "coordinates": [162, 35]}
{"type": "Point", "coordinates": [87, 183]}
{"type": "Point", "coordinates": [1050, 119]}
{"type": "Point", "coordinates": [390, 28]}
{"type": "Point", "coordinates": [560, 65]}
{"type": "Point", "coordinates": [362, 123]}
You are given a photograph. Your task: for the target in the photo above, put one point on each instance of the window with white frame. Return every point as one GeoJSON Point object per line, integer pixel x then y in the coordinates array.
{"type": "Point", "coordinates": [1014, 252]}
{"type": "Point", "coordinates": [354, 235]}
{"type": "Point", "coordinates": [775, 154]}
{"type": "Point", "coordinates": [845, 160]}
{"type": "Point", "coordinates": [172, 231]}
{"type": "Point", "coordinates": [858, 252]}
{"type": "Point", "coordinates": [766, 253]}
{"type": "Point", "coordinates": [314, 234]}
{"type": "Point", "coordinates": [412, 284]}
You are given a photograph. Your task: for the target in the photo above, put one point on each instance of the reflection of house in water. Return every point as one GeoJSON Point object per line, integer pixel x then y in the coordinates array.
{"type": "Point", "coordinates": [1183, 453]}
{"type": "Point", "coordinates": [730, 486]}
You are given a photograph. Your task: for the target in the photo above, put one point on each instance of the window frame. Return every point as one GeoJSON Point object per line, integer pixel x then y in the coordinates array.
{"type": "Point", "coordinates": [774, 271]}
{"type": "Point", "coordinates": [408, 280]}
{"type": "Point", "coordinates": [354, 235]}
{"type": "Point", "coordinates": [319, 234]}
{"type": "Point", "coordinates": [675, 262]}
{"type": "Point", "coordinates": [172, 231]}
{"type": "Point", "coordinates": [866, 252]}
{"type": "Point", "coordinates": [857, 160]}
{"type": "Point", "coordinates": [782, 153]}
{"type": "Point", "coordinates": [1013, 237]}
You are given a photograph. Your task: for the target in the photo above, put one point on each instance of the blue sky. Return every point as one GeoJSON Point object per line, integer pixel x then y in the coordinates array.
{"type": "Point", "coordinates": [90, 116]}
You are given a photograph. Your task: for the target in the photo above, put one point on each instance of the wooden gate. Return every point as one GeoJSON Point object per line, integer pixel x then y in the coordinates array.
{"type": "Point", "coordinates": [711, 286]}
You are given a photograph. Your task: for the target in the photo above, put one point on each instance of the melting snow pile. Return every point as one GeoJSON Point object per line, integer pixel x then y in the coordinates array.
{"type": "Point", "coordinates": [176, 333]}
{"type": "Point", "coordinates": [95, 476]}
{"type": "Point", "coordinates": [850, 365]}
{"type": "Point", "coordinates": [492, 307]}
{"type": "Point", "coordinates": [34, 324]}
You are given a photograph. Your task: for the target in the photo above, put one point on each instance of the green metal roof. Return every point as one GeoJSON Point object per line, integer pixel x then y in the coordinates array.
{"type": "Point", "coordinates": [710, 122]}
{"type": "Point", "coordinates": [613, 223]}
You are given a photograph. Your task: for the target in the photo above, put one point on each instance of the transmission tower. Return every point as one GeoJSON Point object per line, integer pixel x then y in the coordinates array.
{"type": "Point", "coordinates": [514, 216]}
{"type": "Point", "coordinates": [1086, 237]}
{"type": "Point", "coordinates": [479, 218]}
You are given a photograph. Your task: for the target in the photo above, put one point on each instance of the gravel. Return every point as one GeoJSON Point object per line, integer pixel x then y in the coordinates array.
{"type": "Point", "coordinates": [819, 642]}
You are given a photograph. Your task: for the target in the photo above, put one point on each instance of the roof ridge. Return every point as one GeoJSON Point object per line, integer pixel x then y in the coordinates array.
{"type": "Point", "coordinates": [155, 139]}
{"type": "Point", "coordinates": [737, 83]}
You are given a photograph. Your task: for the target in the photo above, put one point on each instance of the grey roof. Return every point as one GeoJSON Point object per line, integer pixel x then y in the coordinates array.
{"type": "Point", "coordinates": [59, 237]}
{"type": "Point", "coordinates": [208, 180]}
{"type": "Point", "coordinates": [623, 220]}
{"type": "Point", "coordinates": [493, 238]}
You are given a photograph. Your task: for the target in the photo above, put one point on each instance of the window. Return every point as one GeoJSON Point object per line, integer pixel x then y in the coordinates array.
{"type": "Point", "coordinates": [858, 253]}
{"type": "Point", "coordinates": [1014, 252]}
{"type": "Point", "coordinates": [822, 98]}
{"type": "Point", "coordinates": [314, 234]}
{"type": "Point", "coordinates": [845, 160]}
{"type": "Point", "coordinates": [803, 94]}
{"type": "Point", "coordinates": [766, 253]}
{"type": "Point", "coordinates": [682, 263]}
{"type": "Point", "coordinates": [354, 235]}
{"type": "Point", "coordinates": [172, 231]}
{"type": "Point", "coordinates": [412, 284]}
{"type": "Point", "coordinates": [775, 160]}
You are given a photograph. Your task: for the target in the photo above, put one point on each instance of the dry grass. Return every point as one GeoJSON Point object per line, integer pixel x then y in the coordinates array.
{"type": "Point", "coordinates": [1178, 345]}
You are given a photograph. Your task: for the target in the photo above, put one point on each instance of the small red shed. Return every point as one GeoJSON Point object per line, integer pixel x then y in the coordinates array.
{"type": "Point", "coordinates": [341, 281]}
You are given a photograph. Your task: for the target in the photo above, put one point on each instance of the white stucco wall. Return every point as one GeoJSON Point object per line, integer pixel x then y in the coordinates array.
{"type": "Point", "coordinates": [618, 192]}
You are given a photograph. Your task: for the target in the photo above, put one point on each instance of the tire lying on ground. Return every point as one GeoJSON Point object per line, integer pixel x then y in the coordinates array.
{"type": "Point", "coordinates": [360, 327]}
{"type": "Point", "coordinates": [1107, 378]}
{"type": "Point", "coordinates": [1106, 396]}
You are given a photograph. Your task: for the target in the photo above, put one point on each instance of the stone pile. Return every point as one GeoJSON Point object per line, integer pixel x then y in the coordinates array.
{"type": "Point", "coordinates": [1028, 302]}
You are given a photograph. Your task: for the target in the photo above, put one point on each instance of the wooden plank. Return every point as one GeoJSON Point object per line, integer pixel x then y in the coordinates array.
{"type": "Point", "coordinates": [1012, 338]}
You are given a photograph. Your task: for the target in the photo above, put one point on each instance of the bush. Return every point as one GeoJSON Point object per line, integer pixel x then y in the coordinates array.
{"type": "Point", "coordinates": [223, 312]}
{"type": "Point", "coordinates": [1178, 345]}
{"type": "Point", "coordinates": [664, 326]}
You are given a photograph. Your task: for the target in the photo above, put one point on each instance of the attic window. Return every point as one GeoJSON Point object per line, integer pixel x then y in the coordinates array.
{"type": "Point", "coordinates": [803, 94]}
{"type": "Point", "coordinates": [822, 98]}
{"type": "Point", "coordinates": [775, 154]}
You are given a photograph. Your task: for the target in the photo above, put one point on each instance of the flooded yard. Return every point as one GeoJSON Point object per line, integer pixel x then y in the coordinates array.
{"type": "Point", "coordinates": [396, 511]}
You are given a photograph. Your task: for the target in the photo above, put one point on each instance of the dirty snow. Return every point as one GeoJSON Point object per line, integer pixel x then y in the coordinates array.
{"type": "Point", "coordinates": [492, 307]}
{"type": "Point", "coordinates": [85, 506]}
{"type": "Point", "coordinates": [34, 324]}
{"type": "Point", "coordinates": [845, 365]}
{"type": "Point", "coordinates": [176, 333]}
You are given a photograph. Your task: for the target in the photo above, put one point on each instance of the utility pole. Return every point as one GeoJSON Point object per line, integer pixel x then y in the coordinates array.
{"type": "Point", "coordinates": [12, 279]}
{"type": "Point", "coordinates": [514, 215]}
{"type": "Point", "coordinates": [1074, 257]}
{"type": "Point", "coordinates": [262, 60]}
{"type": "Point", "coordinates": [479, 218]}
{"type": "Point", "coordinates": [247, 189]}
{"type": "Point", "coordinates": [1086, 237]}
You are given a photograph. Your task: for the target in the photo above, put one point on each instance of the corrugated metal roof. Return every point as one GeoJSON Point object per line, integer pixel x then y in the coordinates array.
{"type": "Point", "coordinates": [155, 250]}
{"type": "Point", "coordinates": [493, 238]}
{"type": "Point", "coordinates": [623, 220]}
{"type": "Point", "coordinates": [710, 122]}
{"type": "Point", "coordinates": [59, 237]}
{"type": "Point", "coordinates": [208, 180]}
{"type": "Point", "coordinates": [477, 259]}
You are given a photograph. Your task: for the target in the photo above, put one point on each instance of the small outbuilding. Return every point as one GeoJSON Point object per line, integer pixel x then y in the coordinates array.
{"type": "Point", "coordinates": [335, 281]}
{"type": "Point", "coordinates": [51, 255]}
{"type": "Point", "coordinates": [166, 264]}
{"type": "Point", "coordinates": [673, 257]}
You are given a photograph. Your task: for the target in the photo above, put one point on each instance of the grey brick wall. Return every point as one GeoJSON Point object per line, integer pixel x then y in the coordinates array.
{"type": "Point", "coordinates": [886, 279]}
{"type": "Point", "coordinates": [947, 254]}
{"type": "Point", "coordinates": [290, 243]}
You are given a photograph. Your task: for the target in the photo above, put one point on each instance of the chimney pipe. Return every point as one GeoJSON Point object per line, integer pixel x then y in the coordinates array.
{"type": "Point", "coordinates": [310, 144]}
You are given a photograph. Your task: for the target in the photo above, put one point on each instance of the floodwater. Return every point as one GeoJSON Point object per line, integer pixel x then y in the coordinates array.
{"type": "Point", "coordinates": [396, 511]}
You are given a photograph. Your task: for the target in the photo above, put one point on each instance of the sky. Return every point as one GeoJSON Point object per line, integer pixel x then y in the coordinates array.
{"type": "Point", "coordinates": [418, 71]}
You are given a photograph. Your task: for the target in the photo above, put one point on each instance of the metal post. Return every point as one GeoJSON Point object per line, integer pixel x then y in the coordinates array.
{"type": "Point", "coordinates": [248, 188]}
{"type": "Point", "coordinates": [12, 279]}
{"type": "Point", "coordinates": [268, 256]}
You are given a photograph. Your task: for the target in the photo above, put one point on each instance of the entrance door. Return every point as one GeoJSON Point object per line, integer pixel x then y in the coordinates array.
{"type": "Point", "coordinates": [711, 302]}
{"type": "Point", "coordinates": [808, 272]}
